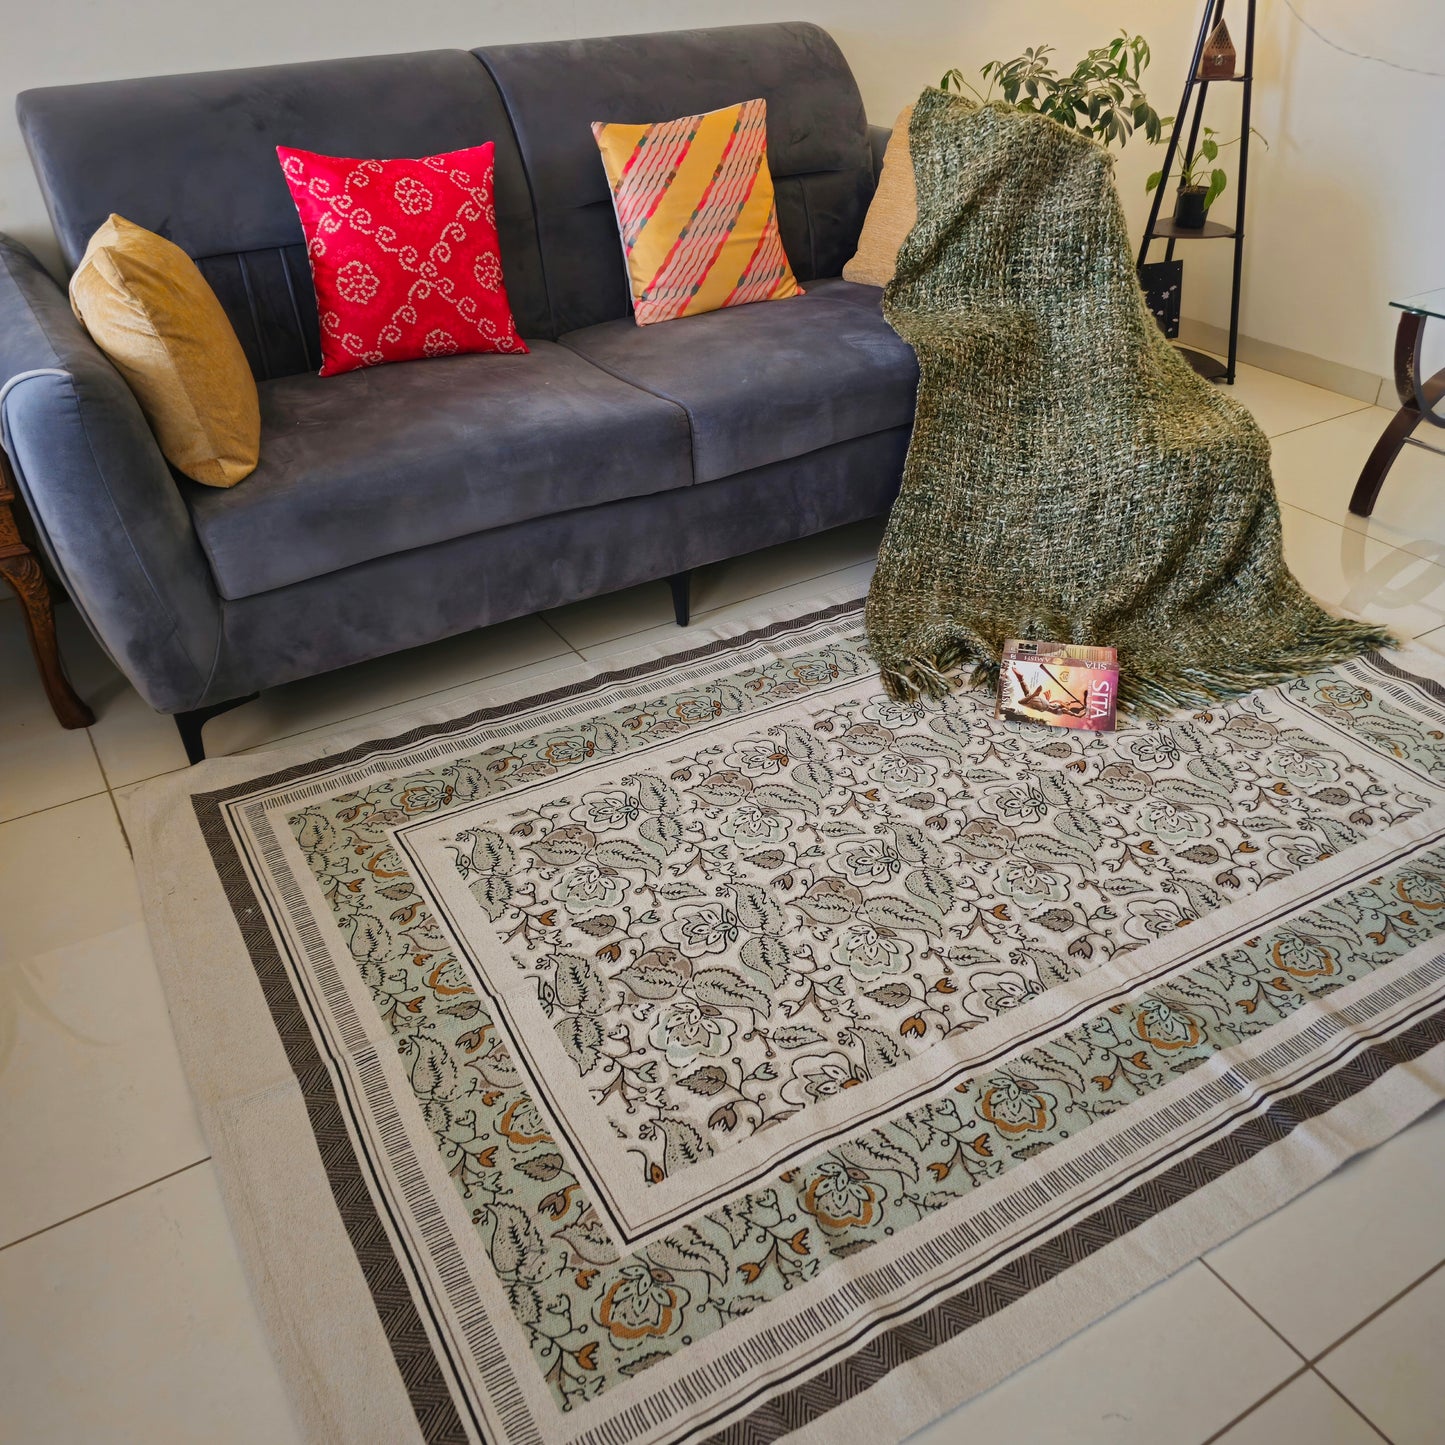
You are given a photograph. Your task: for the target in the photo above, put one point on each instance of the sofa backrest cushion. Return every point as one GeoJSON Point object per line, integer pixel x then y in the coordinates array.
{"type": "Point", "coordinates": [818, 149]}
{"type": "Point", "coordinates": [193, 157]}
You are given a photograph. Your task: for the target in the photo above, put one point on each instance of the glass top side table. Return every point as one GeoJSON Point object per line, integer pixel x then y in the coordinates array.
{"type": "Point", "coordinates": [1420, 397]}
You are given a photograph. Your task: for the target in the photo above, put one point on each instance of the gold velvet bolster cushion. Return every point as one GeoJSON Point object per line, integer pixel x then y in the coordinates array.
{"type": "Point", "coordinates": [696, 212]}
{"type": "Point", "coordinates": [149, 309]}
{"type": "Point", "coordinates": [891, 214]}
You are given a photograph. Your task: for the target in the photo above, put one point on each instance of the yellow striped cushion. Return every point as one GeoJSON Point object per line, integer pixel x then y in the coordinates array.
{"type": "Point", "coordinates": [695, 206]}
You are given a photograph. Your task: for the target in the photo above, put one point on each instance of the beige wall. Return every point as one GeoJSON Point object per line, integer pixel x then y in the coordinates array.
{"type": "Point", "coordinates": [1347, 207]}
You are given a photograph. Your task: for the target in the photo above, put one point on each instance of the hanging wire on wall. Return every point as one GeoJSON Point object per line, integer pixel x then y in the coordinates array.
{"type": "Point", "coordinates": [1357, 54]}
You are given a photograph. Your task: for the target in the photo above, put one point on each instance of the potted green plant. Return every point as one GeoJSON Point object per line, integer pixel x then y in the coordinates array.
{"type": "Point", "coordinates": [1201, 182]}
{"type": "Point", "coordinates": [1101, 97]}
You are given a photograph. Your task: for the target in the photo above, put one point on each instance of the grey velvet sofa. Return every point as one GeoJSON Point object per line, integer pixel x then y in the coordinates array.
{"type": "Point", "coordinates": [401, 504]}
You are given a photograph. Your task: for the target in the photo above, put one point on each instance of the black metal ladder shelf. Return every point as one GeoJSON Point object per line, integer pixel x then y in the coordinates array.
{"type": "Point", "coordinates": [1196, 89]}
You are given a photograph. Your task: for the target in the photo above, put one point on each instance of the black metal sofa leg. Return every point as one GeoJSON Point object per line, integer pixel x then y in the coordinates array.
{"type": "Point", "coordinates": [189, 724]}
{"type": "Point", "coordinates": [681, 585]}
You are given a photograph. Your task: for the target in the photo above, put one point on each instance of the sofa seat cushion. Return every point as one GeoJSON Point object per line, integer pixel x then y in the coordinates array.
{"type": "Point", "coordinates": [382, 460]}
{"type": "Point", "coordinates": [769, 381]}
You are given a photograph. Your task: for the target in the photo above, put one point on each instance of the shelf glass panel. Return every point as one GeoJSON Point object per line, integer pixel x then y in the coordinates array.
{"type": "Point", "coordinates": [1166, 230]}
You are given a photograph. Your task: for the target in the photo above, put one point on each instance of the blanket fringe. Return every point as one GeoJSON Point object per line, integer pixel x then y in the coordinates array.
{"type": "Point", "coordinates": [1152, 694]}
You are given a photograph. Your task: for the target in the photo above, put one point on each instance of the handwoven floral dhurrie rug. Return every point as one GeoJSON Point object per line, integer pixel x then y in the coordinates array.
{"type": "Point", "coordinates": [715, 1049]}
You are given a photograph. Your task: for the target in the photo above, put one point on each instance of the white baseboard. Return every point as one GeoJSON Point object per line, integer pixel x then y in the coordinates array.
{"type": "Point", "coordinates": [1332, 375]}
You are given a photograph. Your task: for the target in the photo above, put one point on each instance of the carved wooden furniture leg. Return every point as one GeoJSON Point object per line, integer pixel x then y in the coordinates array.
{"type": "Point", "coordinates": [21, 569]}
{"type": "Point", "coordinates": [1418, 401]}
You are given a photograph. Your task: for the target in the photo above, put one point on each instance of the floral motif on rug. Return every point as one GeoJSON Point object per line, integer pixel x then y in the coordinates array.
{"type": "Point", "coordinates": [704, 991]}
{"type": "Point", "coordinates": [753, 926]}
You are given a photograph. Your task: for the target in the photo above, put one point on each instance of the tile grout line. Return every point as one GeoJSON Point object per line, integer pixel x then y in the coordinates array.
{"type": "Point", "coordinates": [1311, 1363]}
{"type": "Point", "coordinates": [602, 641]}
{"type": "Point", "coordinates": [1335, 1389]}
{"type": "Point", "coordinates": [760, 596]}
{"type": "Point", "coordinates": [1272, 437]}
{"type": "Point", "coordinates": [110, 792]}
{"type": "Point", "coordinates": [99, 761]}
{"type": "Point", "coordinates": [1357, 531]}
{"type": "Point", "coordinates": [565, 641]}
{"type": "Point", "coordinates": [1375, 1314]}
{"type": "Point", "coordinates": [114, 1199]}
{"type": "Point", "coordinates": [51, 807]}
{"type": "Point", "coordinates": [1300, 1354]}
{"type": "Point", "coordinates": [1323, 421]}
{"type": "Point", "coordinates": [352, 718]}
{"type": "Point", "coordinates": [1298, 1374]}
{"type": "Point", "coordinates": [1390, 549]}
{"type": "Point", "coordinates": [120, 823]}
{"type": "Point", "coordinates": [1307, 1366]}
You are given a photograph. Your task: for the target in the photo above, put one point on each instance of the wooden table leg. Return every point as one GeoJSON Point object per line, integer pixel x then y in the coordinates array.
{"type": "Point", "coordinates": [1382, 458]}
{"type": "Point", "coordinates": [21, 569]}
{"type": "Point", "coordinates": [1402, 425]}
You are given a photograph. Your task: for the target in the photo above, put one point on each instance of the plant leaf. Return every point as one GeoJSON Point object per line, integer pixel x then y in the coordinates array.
{"type": "Point", "coordinates": [679, 890]}
{"type": "Point", "coordinates": [517, 1247]}
{"type": "Point", "coordinates": [684, 1145]}
{"type": "Point", "coordinates": [661, 829]}
{"type": "Point", "coordinates": [781, 795]}
{"type": "Point", "coordinates": [932, 887]}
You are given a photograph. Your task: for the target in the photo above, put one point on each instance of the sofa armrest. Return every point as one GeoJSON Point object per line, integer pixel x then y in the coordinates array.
{"type": "Point", "coordinates": [878, 137]}
{"type": "Point", "coordinates": [101, 495]}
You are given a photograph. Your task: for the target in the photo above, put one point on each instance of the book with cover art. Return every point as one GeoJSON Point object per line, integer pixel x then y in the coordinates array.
{"type": "Point", "coordinates": [1058, 683]}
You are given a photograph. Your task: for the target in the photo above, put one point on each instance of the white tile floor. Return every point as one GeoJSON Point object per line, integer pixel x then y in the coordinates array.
{"type": "Point", "coordinates": [124, 1314]}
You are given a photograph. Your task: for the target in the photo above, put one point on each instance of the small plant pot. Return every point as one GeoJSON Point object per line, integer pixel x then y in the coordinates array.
{"type": "Point", "coordinates": [1190, 211]}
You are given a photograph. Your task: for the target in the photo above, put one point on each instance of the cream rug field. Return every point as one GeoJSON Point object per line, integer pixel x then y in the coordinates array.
{"type": "Point", "coordinates": [717, 1049]}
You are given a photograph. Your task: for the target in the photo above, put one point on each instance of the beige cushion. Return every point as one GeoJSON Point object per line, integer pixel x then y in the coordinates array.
{"type": "Point", "coordinates": [891, 215]}
{"type": "Point", "coordinates": [150, 310]}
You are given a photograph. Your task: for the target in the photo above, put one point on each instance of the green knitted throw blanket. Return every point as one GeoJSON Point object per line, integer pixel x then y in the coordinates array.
{"type": "Point", "coordinates": [1070, 477]}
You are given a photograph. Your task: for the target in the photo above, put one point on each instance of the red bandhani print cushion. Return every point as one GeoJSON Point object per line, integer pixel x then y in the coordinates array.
{"type": "Point", "coordinates": [404, 256]}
